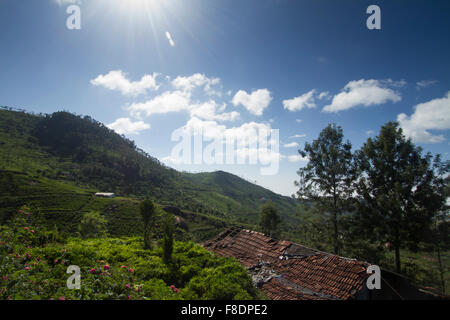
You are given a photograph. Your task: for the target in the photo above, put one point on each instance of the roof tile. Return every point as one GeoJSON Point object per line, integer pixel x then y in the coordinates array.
{"type": "Point", "coordinates": [307, 274]}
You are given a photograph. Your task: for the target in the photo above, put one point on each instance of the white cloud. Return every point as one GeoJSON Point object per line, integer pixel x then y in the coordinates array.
{"type": "Point", "coordinates": [424, 84]}
{"type": "Point", "coordinates": [175, 101]}
{"type": "Point", "coordinates": [178, 101]}
{"type": "Point", "coordinates": [67, 2]}
{"type": "Point", "coordinates": [366, 93]}
{"type": "Point", "coordinates": [394, 84]}
{"type": "Point", "coordinates": [296, 158]}
{"type": "Point", "coordinates": [211, 129]}
{"type": "Point", "coordinates": [298, 136]}
{"type": "Point", "coordinates": [255, 102]}
{"type": "Point", "coordinates": [169, 37]}
{"type": "Point", "coordinates": [250, 131]}
{"type": "Point", "coordinates": [431, 115]}
{"type": "Point", "coordinates": [370, 132]}
{"type": "Point", "coordinates": [299, 120]}
{"type": "Point", "coordinates": [291, 145]}
{"type": "Point", "coordinates": [126, 126]}
{"type": "Point", "coordinates": [196, 81]}
{"type": "Point", "coordinates": [209, 109]}
{"type": "Point", "coordinates": [298, 103]}
{"type": "Point", "coordinates": [324, 95]}
{"type": "Point", "coordinates": [116, 80]}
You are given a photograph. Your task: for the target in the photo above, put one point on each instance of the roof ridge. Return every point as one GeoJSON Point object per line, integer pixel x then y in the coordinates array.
{"type": "Point", "coordinates": [313, 249]}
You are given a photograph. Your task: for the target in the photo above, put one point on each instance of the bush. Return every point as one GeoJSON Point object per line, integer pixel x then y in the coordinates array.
{"type": "Point", "coordinates": [93, 225]}
{"type": "Point", "coordinates": [113, 269]}
{"type": "Point", "coordinates": [168, 229]}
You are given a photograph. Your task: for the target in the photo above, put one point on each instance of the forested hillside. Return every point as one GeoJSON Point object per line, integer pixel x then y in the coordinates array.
{"type": "Point", "coordinates": [42, 151]}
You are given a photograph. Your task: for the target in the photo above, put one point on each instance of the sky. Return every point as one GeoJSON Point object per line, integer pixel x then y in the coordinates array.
{"type": "Point", "coordinates": [154, 70]}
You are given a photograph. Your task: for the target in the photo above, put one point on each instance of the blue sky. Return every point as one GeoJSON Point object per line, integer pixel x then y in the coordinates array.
{"type": "Point", "coordinates": [148, 67]}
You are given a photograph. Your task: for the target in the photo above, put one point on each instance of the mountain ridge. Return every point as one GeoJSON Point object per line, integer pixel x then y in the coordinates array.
{"type": "Point", "coordinates": [65, 146]}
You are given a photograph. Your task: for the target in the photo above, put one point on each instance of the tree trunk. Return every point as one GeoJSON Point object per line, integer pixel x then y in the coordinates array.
{"type": "Point", "coordinates": [335, 223]}
{"type": "Point", "coordinates": [146, 240]}
{"type": "Point", "coordinates": [336, 238]}
{"type": "Point", "coordinates": [397, 259]}
{"type": "Point", "coordinates": [441, 269]}
{"type": "Point", "coordinates": [397, 249]}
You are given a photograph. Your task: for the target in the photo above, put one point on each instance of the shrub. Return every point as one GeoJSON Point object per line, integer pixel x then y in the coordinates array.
{"type": "Point", "coordinates": [168, 229]}
{"type": "Point", "coordinates": [93, 225]}
{"type": "Point", "coordinates": [113, 269]}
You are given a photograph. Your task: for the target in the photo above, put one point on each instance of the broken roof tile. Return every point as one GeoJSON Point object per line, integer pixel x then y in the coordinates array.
{"type": "Point", "coordinates": [303, 273]}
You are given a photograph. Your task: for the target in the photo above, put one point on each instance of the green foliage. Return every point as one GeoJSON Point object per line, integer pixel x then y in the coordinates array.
{"type": "Point", "coordinates": [314, 230]}
{"type": "Point", "coordinates": [93, 225]}
{"type": "Point", "coordinates": [269, 219]}
{"type": "Point", "coordinates": [400, 190]}
{"type": "Point", "coordinates": [147, 210]}
{"type": "Point", "coordinates": [395, 205]}
{"type": "Point", "coordinates": [237, 198]}
{"type": "Point", "coordinates": [226, 282]}
{"type": "Point", "coordinates": [326, 179]}
{"type": "Point", "coordinates": [112, 268]}
{"type": "Point", "coordinates": [59, 202]}
{"type": "Point", "coordinates": [422, 267]}
{"type": "Point", "coordinates": [63, 204]}
{"type": "Point", "coordinates": [168, 230]}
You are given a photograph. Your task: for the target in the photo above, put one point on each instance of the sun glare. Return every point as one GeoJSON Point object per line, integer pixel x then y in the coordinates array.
{"type": "Point", "coordinates": [153, 5]}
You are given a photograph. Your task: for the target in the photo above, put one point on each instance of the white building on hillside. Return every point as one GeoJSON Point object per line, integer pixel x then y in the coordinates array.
{"type": "Point", "coordinates": [105, 195]}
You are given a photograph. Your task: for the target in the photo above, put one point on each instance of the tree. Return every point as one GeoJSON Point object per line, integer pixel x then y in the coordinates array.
{"type": "Point", "coordinates": [327, 178]}
{"type": "Point", "coordinates": [93, 225]}
{"type": "Point", "coordinates": [147, 210]}
{"type": "Point", "coordinates": [313, 228]}
{"type": "Point", "coordinates": [269, 218]}
{"type": "Point", "coordinates": [168, 230]}
{"type": "Point", "coordinates": [399, 190]}
{"type": "Point", "coordinates": [439, 235]}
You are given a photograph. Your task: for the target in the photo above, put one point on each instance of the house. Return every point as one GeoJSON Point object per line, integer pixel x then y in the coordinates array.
{"type": "Point", "coordinates": [285, 270]}
{"type": "Point", "coordinates": [105, 195]}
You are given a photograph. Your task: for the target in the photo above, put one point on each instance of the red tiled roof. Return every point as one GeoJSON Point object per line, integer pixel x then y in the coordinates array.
{"type": "Point", "coordinates": [288, 271]}
{"type": "Point", "coordinates": [249, 247]}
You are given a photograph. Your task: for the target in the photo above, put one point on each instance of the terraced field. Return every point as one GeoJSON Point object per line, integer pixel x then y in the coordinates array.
{"type": "Point", "coordinates": [63, 204]}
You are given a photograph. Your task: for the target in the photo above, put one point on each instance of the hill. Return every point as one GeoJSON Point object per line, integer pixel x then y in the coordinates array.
{"type": "Point", "coordinates": [69, 157]}
{"type": "Point", "coordinates": [231, 193]}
